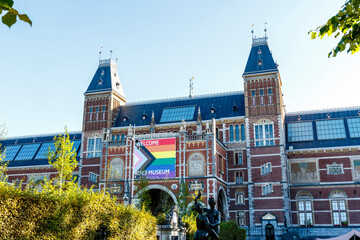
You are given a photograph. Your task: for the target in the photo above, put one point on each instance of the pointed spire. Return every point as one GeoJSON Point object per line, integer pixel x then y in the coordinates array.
{"type": "Point", "coordinates": [191, 94]}
{"type": "Point", "coordinates": [199, 115]}
{"type": "Point", "coordinates": [152, 123]}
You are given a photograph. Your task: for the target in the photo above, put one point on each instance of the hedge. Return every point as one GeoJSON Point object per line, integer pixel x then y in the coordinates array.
{"type": "Point", "coordinates": [75, 214]}
{"type": "Point", "coordinates": [230, 231]}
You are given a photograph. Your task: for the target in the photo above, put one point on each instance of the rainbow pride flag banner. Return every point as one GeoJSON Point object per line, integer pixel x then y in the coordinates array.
{"type": "Point", "coordinates": [155, 158]}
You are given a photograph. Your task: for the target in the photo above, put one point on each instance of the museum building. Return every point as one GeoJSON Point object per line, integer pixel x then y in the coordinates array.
{"type": "Point", "coordinates": [274, 173]}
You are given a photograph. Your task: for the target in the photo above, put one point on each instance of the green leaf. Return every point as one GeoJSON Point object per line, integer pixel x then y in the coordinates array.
{"type": "Point", "coordinates": [9, 19]}
{"type": "Point", "coordinates": [25, 18]}
{"type": "Point", "coordinates": [313, 35]}
{"type": "Point", "coordinates": [8, 3]}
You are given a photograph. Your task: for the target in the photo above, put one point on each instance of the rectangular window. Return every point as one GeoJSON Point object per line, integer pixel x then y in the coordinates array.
{"type": "Point", "coordinates": [262, 100]}
{"type": "Point", "coordinates": [238, 177]}
{"type": "Point", "coordinates": [239, 198]}
{"type": "Point", "coordinates": [266, 168]}
{"type": "Point", "coordinates": [354, 127]}
{"type": "Point", "coordinates": [253, 93]}
{"type": "Point", "coordinates": [261, 92]}
{"type": "Point", "coordinates": [300, 131]}
{"type": "Point", "coordinates": [267, 189]}
{"type": "Point", "coordinates": [264, 135]}
{"type": "Point", "coordinates": [94, 147]}
{"type": "Point", "coordinates": [339, 212]}
{"type": "Point", "coordinates": [93, 177]}
{"type": "Point", "coordinates": [238, 158]}
{"type": "Point", "coordinates": [269, 91]}
{"type": "Point", "coordinates": [177, 114]}
{"type": "Point", "coordinates": [240, 216]}
{"type": "Point", "coordinates": [305, 213]}
{"type": "Point", "coordinates": [330, 129]}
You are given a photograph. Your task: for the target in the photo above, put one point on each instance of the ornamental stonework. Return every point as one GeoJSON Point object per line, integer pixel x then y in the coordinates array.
{"type": "Point", "coordinates": [196, 164]}
{"type": "Point", "coordinates": [334, 169]}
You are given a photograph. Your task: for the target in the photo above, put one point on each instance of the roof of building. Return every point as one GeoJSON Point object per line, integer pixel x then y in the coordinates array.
{"type": "Point", "coordinates": [223, 104]}
{"type": "Point", "coordinates": [260, 58]}
{"type": "Point", "coordinates": [336, 135]}
{"type": "Point", "coordinates": [31, 150]}
{"type": "Point", "coordinates": [106, 79]}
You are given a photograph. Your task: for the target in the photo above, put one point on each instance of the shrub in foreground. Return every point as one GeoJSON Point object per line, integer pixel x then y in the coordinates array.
{"type": "Point", "coordinates": [74, 214]}
{"type": "Point", "coordinates": [230, 231]}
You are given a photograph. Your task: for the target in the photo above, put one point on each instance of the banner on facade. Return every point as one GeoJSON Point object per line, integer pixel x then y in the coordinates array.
{"type": "Point", "coordinates": [155, 158]}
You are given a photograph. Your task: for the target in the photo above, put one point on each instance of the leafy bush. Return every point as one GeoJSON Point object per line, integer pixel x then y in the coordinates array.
{"type": "Point", "coordinates": [190, 223]}
{"type": "Point", "coordinates": [73, 214]}
{"type": "Point", "coordinates": [230, 231]}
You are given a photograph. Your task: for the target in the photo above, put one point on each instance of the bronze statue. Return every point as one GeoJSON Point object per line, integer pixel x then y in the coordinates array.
{"type": "Point", "coordinates": [207, 221]}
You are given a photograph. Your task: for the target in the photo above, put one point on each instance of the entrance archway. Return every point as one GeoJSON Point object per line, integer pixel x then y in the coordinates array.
{"type": "Point", "coordinates": [269, 232]}
{"type": "Point", "coordinates": [222, 204]}
{"type": "Point", "coordinates": [162, 199]}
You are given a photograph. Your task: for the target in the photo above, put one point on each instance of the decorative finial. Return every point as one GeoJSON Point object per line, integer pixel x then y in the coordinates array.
{"type": "Point", "coordinates": [191, 94]}
{"type": "Point", "coordinates": [112, 46]}
{"type": "Point", "coordinates": [110, 53]}
{"type": "Point", "coordinates": [252, 31]}
{"type": "Point", "coordinates": [100, 53]}
{"type": "Point", "coordinates": [265, 30]}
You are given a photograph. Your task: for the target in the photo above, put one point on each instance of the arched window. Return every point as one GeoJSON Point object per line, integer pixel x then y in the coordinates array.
{"type": "Point", "coordinates": [113, 138]}
{"type": "Point", "coordinates": [305, 208]}
{"type": "Point", "coordinates": [118, 137]}
{"type": "Point", "coordinates": [116, 169]}
{"type": "Point", "coordinates": [239, 197]}
{"type": "Point", "coordinates": [242, 132]}
{"type": "Point", "coordinates": [122, 137]}
{"type": "Point", "coordinates": [196, 165]}
{"type": "Point", "coordinates": [237, 133]}
{"type": "Point", "coordinates": [190, 131]}
{"type": "Point", "coordinates": [338, 207]}
{"type": "Point", "coordinates": [231, 133]}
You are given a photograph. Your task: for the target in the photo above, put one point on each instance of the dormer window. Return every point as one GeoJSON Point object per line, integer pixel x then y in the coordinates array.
{"type": "Point", "coordinates": [212, 110]}
{"type": "Point", "coordinates": [102, 72]}
{"type": "Point", "coordinates": [100, 81]}
{"type": "Point", "coordinates": [259, 51]}
{"type": "Point", "coordinates": [144, 116]}
{"type": "Point", "coordinates": [235, 108]}
{"type": "Point", "coordinates": [260, 62]}
{"type": "Point", "coordinates": [125, 118]}
{"type": "Point", "coordinates": [117, 84]}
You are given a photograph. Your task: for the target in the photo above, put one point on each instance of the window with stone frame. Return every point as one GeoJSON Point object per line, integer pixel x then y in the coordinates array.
{"type": "Point", "coordinates": [264, 133]}
{"type": "Point", "coordinates": [93, 147]}
{"type": "Point", "coordinates": [338, 208]}
{"type": "Point", "coordinates": [116, 169]}
{"type": "Point", "coordinates": [266, 189]}
{"type": "Point", "coordinates": [266, 168]}
{"type": "Point", "coordinates": [196, 165]}
{"type": "Point", "coordinates": [238, 158]}
{"type": "Point", "coordinates": [240, 218]}
{"type": "Point", "coordinates": [239, 177]}
{"type": "Point", "coordinates": [231, 133]}
{"type": "Point", "coordinates": [305, 212]}
{"type": "Point", "coordinates": [221, 164]}
{"type": "Point", "coordinates": [305, 208]}
{"type": "Point", "coordinates": [239, 197]}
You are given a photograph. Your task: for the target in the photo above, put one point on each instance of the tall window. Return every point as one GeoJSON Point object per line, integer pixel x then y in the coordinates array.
{"type": "Point", "coordinates": [339, 212]}
{"type": "Point", "coordinates": [264, 135]}
{"type": "Point", "coordinates": [253, 99]}
{"type": "Point", "coordinates": [231, 133]}
{"type": "Point", "coordinates": [242, 132]}
{"type": "Point", "coordinates": [103, 117]}
{"type": "Point", "coordinates": [237, 133]}
{"type": "Point", "coordinates": [305, 213]}
{"type": "Point", "coordinates": [262, 97]}
{"type": "Point", "coordinates": [94, 147]}
{"type": "Point", "coordinates": [90, 115]}
{"type": "Point", "coordinates": [239, 197]}
{"type": "Point", "coordinates": [240, 218]}
{"type": "Point", "coordinates": [270, 96]}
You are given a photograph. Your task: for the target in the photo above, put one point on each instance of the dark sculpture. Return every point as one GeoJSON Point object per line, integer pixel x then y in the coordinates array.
{"type": "Point", "coordinates": [207, 221]}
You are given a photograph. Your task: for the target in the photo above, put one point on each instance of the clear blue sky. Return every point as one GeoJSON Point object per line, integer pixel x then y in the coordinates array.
{"type": "Point", "coordinates": [45, 69]}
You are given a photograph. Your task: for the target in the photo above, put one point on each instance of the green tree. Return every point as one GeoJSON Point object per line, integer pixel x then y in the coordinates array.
{"type": "Point", "coordinates": [63, 159]}
{"type": "Point", "coordinates": [3, 163]}
{"type": "Point", "coordinates": [143, 196]}
{"type": "Point", "coordinates": [346, 23]}
{"type": "Point", "coordinates": [10, 14]}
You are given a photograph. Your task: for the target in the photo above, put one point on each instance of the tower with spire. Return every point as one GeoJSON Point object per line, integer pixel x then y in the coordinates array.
{"type": "Point", "coordinates": [103, 99]}
{"type": "Point", "coordinates": [267, 167]}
